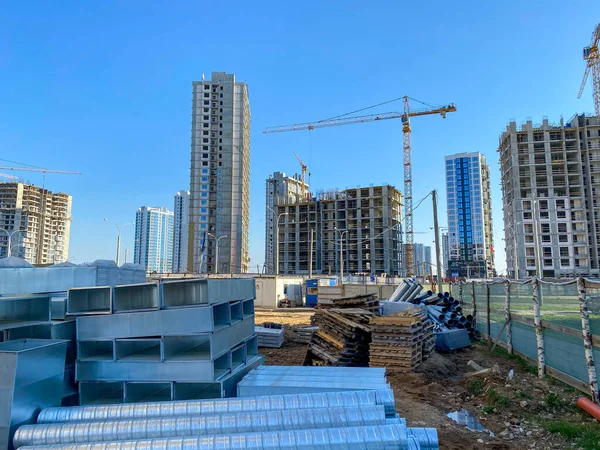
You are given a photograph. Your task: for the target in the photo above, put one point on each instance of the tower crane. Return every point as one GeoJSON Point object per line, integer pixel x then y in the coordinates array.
{"type": "Point", "coordinates": [303, 178]}
{"type": "Point", "coordinates": [39, 169]}
{"type": "Point", "coordinates": [406, 131]}
{"type": "Point", "coordinates": [592, 56]}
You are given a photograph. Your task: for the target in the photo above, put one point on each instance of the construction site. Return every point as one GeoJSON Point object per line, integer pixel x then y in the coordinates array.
{"type": "Point", "coordinates": [339, 345]}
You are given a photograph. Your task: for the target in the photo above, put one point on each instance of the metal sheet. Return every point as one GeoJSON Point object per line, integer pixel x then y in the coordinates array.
{"type": "Point", "coordinates": [31, 378]}
{"type": "Point", "coordinates": [136, 297]}
{"type": "Point", "coordinates": [360, 437]}
{"type": "Point", "coordinates": [48, 434]}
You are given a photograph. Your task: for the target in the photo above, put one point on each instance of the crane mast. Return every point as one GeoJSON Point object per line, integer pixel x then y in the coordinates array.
{"type": "Point", "coordinates": [406, 132]}
{"type": "Point", "coordinates": [304, 169]}
{"type": "Point", "coordinates": [591, 54]}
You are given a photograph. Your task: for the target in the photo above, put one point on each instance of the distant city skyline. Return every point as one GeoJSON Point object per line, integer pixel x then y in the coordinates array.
{"type": "Point", "coordinates": [139, 83]}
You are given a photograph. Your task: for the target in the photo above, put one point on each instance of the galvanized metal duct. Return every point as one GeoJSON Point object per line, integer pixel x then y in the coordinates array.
{"type": "Point", "coordinates": [367, 437]}
{"type": "Point", "coordinates": [225, 405]}
{"type": "Point", "coordinates": [116, 430]}
{"type": "Point", "coordinates": [426, 437]}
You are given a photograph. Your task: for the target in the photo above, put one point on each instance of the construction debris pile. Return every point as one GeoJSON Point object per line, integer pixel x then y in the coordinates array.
{"type": "Point", "coordinates": [344, 333]}
{"type": "Point", "coordinates": [337, 417]}
{"type": "Point", "coordinates": [452, 329]}
{"type": "Point", "coordinates": [401, 341]}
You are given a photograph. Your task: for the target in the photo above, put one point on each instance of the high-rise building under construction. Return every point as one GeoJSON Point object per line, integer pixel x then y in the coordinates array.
{"type": "Point", "coordinates": [551, 197]}
{"type": "Point", "coordinates": [285, 190]}
{"type": "Point", "coordinates": [39, 222]}
{"type": "Point", "coordinates": [220, 175]}
{"type": "Point", "coordinates": [364, 223]}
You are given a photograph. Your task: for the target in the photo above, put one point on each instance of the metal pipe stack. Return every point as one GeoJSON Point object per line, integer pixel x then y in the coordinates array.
{"type": "Point", "coordinates": [346, 419]}
{"type": "Point", "coordinates": [452, 329]}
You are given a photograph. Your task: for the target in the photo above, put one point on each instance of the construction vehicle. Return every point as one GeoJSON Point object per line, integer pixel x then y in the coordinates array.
{"type": "Point", "coordinates": [406, 130]}
{"type": "Point", "coordinates": [591, 54]}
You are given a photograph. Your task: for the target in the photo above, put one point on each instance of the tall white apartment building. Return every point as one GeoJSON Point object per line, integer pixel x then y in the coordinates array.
{"type": "Point", "coordinates": [469, 208]}
{"type": "Point", "coordinates": [154, 239]}
{"type": "Point", "coordinates": [38, 220]}
{"type": "Point", "coordinates": [281, 189]}
{"type": "Point", "coordinates": [181, 220]}
{"type": "Point", "coordinates": [551, 187]}
{"type": "Point", "coordinates": [220, 175]}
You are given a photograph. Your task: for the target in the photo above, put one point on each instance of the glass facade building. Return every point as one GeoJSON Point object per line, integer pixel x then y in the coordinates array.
{"type": "Point", "coordinates": [468, 203]}
{"type": "Point", "coordinates": [154, 239]}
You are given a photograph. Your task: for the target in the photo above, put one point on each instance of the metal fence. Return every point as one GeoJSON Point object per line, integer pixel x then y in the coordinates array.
{"type": "Point", "coordinates": [553, 325]}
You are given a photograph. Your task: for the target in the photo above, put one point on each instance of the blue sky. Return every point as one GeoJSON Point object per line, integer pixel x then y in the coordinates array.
{"type": "Point", "coordinates": [105, 88]}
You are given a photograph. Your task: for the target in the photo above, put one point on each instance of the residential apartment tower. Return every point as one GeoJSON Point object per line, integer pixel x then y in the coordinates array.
{"type": "Point", "coordinates": [365, 222]}
{"type": "Point", "coordinates": [551, 188]}
{"type": "Point", "coordinates": [220, 174]}
{"type": "Point", "coordinates": [469, 209]}
{"type": "Point", "coordinates": [180, 232]}
{"type": "Point", "coordinates": [153, 247]}
{"type": "Point", "coordinates": [285, 190]}
{"type": "Point", "coordinates": [39, 221]}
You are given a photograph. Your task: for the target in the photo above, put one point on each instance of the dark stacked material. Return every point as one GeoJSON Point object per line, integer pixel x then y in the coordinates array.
{"type": "Point", "coordinates": [368, 302]}
{"type": "Point", "coordinates": [343, 337]}
{"type": "Point", "coordinates": [400, 342]}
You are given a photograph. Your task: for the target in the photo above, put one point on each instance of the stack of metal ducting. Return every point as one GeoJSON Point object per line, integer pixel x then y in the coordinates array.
{"type": "Point", "coordinates": [269, 337]}
{"type": "Point", "coordinates": [177, 340]}
{"type": "Point", "coordinates": [41, 317]}
{"type": "Point", "coordinates": [356, 419]}
{"type": "Point", "coordinates": [279, 380]}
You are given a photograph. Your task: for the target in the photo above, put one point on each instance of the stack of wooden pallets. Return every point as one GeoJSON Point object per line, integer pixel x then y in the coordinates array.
{"type": "Point", "coordinates": [397, 340]}
{"type": "Point", "coordinates": [342, 339]}
{"type": "Point", "coordinates": [368, 302]}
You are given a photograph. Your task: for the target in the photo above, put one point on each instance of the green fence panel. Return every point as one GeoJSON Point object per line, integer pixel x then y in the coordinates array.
{"type": "Point", "coordinates": [560, 305]}
{"type": "Point", "coordinates": [565, 353]}
{"type": "Point", "coordinates": [524, 340]}
{"type": "Point", "coordinates": [593, 303]}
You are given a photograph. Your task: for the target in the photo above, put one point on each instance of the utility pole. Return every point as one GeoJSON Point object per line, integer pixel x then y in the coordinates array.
{"type": "Point", "coordinates": [536, 236]}
{"type": "Point", "coordinates": [310, 253]}
{"type": "Point", "coordinates": [515, 255]}
{"type": "Point", "coordinates": [436, 228]}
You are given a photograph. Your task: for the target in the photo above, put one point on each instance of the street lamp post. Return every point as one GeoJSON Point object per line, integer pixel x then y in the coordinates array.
{"type": "Point", "coordinates": [10, 235]}
{"type": "Point", "coordinates": [277, 238]}
{"type": "Point", "coordinates": [119, 227]}
{"type": "Point", "coordinates": [341, 254]}
{"type": "Point", "coordinates": [217, 250]}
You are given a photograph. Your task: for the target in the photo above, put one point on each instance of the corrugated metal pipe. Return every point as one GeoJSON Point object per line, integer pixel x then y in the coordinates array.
{"type": "Point", "coordinates": [117, 430]}
{"type": "Point", "coordinates": [372, 437]}
{"type": "Point", "coordinates": [426, 437]}
{"type": "Point", "coordinates": [225, 405]}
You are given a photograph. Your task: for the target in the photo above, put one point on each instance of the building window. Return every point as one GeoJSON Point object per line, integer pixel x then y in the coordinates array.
{"type": "Point", "coordinates": [564, 251]}
{"type": "Point", "coordinates": [562, 227]}
{"type": "Point", "coordinates": [564, 262]}
{"type": "Point", "coordinates": [547, 252]}
{"type": "Point", "coordinates": [547, 263]}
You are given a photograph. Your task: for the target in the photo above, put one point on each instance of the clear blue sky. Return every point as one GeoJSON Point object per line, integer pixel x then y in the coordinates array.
{"type": "Point", "coordinates": [105, 88]}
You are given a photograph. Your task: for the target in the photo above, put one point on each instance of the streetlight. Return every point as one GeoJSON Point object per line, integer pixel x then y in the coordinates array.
{"type": "Point", "coordinates": [277, 238]}
{"type": "Point", "coordinates": [341, 254]}
{"type": "Point", "coordinates": [217, 251]}
{"type": "Point", "coordinates": [10, 235]}
{"type": "Point", "coordinates": [119, 227]}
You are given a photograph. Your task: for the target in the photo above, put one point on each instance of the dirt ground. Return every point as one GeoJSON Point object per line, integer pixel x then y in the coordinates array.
{"type": "Point", "coordinates": [516, 411]}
